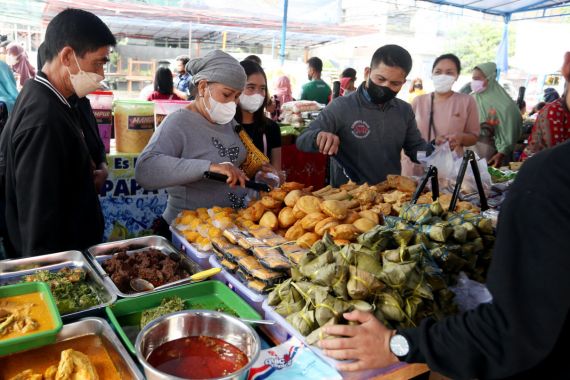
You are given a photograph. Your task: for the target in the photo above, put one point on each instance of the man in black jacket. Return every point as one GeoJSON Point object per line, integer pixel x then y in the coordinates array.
{"type": "Point", "coordinates": [523, 333]}
{"type": "Point", "coordinates": [48, 174]}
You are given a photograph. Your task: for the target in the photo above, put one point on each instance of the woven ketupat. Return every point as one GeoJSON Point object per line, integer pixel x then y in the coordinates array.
{"type": "Point", "coordinates": [254, 159]}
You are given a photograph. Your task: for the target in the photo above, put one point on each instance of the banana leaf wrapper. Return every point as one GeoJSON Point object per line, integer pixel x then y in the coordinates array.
{"type": "Point", "coordinates": [303, 321]}
{"type": "Point", "coordinates": [283, 292]}
{"type": "Point", "coordinates": [361, 305]}
{"type": "Point", "coordinates": [368, 263]}
{"type": "Point", "coordinates": [395, 275]}
{"type": "Point", "coordinates": [327, 307]}
{"type": "Point", "coordinates": [403, 236]}
{"type": "Point", "coordinates": [391, 306]}
{"type": "Point", "coordinates": [439, 232]}
{"type": "Point", "coordinates": [419, 214]}
{"type": "Point", "coordinates": [346, 254]}
{"type": "Point", "coordinates": [362, 284]}
{"type": "Point", "coordinates": [308, 290]}
{"type": "Point", "coordinates": [459, 234]}
{"type": "Point", "coordinates": [433, 273]}
{"type": "Point", "coordinates": [378, 239]}
{"type": "Point", "coordinates": [310, 269]}
{"type": "Point", "coordinates": [436, 209]}
{"type": "Point", "coordinates": [391, 221]}
{"type": "Point", "coordinates": [319, 334]}
{"type": "Point", "coordinates": [448, 261]}
{"type": "Point", "coordinates": [488, 241]}
{"type": "Point", "coordinates": [287, 308]}
{"type": "Point", "coordinates": [339, 286]}
{"type": "Point", "coordinates": [417, 286]}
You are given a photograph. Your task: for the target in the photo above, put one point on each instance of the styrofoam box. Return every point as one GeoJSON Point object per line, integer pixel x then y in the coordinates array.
{"type": "Point", "coordinates": [282, 331]}
{"type": "Point", "coordinates": [253, 298]}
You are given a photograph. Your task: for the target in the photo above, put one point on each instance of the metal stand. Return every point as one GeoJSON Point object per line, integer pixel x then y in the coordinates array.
{"type": "Point", "coordinates": [469, 157]}
{"type": "Point", "coordinates": [431, 173]}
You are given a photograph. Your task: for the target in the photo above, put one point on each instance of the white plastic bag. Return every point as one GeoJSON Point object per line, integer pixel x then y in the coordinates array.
{"type": "Point", "coordinates": [469, 294]}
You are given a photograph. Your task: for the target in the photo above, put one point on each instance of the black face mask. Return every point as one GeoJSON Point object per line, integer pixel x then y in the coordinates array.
{"type": "Point", "coordinates": [380, 94]}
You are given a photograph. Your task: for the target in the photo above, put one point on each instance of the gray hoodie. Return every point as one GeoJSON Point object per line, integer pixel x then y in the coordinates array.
{"type": "Point", "coordinates": [179, 153]}
{"type": "Point", "coordinates": [371, 137]}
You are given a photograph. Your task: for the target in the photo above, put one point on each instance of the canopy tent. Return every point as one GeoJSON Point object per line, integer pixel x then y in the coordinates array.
{"type": "Point", "coordinates": [510, 10]}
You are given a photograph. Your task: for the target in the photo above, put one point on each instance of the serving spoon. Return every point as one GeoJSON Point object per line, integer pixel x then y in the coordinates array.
{"type": "Point", "coordinates": [142, 285]}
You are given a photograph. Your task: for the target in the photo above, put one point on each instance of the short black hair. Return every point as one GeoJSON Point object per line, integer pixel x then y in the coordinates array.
{"type": "Point", "coordinates": [349, 73]}
{"type": "Point", "coordinates": [81, 30]}
{"type": "Point", "coordinates": [163, 81]}
{"type": "Point", "coordinates": [316, 64]}
{"type": "Point", "coordinates": [452, 57]}
{"type": "Point", "coordinates": [184, 59]}
{"type": "Point", "coordinates": [250, 68]}
{"type": "Point", "coordinates": [41, 55]}
{"type": "Point", "coordinates": [393, 56]}
{"type": "Point", "coordinates": [253, 58]}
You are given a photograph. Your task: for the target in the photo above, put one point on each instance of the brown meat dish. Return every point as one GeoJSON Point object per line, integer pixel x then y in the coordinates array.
{"type": "Point", "coordinates": [151, 265]}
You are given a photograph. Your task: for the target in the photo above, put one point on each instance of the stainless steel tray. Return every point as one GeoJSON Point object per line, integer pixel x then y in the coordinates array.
{"type": "Point", "coordinates": [12, 271]}
{"type": "Point", "coordinates": [123, 362]}
{"type": "Point", "coordinates": [102, 252]}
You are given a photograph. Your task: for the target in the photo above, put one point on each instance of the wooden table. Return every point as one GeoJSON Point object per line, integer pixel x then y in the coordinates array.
{"type": "Point", "coordinates": [405, 373]}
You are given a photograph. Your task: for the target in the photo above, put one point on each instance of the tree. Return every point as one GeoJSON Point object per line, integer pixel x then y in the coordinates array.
{"type": "Point", "coordinates": [478, 43]}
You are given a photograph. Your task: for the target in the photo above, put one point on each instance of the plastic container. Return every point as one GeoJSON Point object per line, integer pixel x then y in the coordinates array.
{"type": "Point", "coordinates": [209, 295]}
{"type": "Point", "coordinates": [102, 105]}
{"type": "Point", "coordinates": [37, 339]}
{"type": "Point", "coordinates": [253, 298]}
{"type": "Point", "coordinates": [163, 108]}
{"type": "Point", "coordinates": [282, 331]}
{"type": "Point", "coordinates": [200, 258]}
{"type": "Point", "coordinates": [134, 124]}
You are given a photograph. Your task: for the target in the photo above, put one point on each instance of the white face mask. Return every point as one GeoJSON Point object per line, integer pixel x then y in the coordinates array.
{"type": "Point", "coordinates": [84, 82]}
{"type": "Point", "coordinates": [477, 86]}
{"type": "Point", "coordinates": [11, 60]}
{"type": "Point", "coordinates": [442, 83]}
{"type": "Point", "coordinates": [220, 113]}
{"type": "Point", "coordinates": [251, 103]}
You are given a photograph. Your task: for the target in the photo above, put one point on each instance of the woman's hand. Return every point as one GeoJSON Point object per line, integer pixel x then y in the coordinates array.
{"type": "Point", "coordinates": [368, 343]}
{"type": "Point", "coordinates": [497, 160]}
{"type": "Point", "coordinates": [235, 175]}
{"type": "Point", "coordinates": [100, 176]}
{"type": "Point", "coordinates": [455, 140]}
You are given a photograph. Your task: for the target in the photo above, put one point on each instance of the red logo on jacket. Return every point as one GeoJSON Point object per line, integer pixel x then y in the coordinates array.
{"type": "Point", "coordinates": [360, 129]}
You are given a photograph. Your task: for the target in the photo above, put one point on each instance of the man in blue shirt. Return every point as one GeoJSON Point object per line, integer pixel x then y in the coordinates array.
{"type": "Point", "coordinates": [182, 81]}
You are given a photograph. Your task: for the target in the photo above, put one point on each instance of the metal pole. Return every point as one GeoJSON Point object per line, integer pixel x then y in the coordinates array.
{"type": "Point", "coordinates": [224, 40]}
{"type": "Point", "coordinates": [273, 47]}
{"type": "Point", "coordinates": [283, 32]}
{"type": "Point", "coordinates": [190, 39]}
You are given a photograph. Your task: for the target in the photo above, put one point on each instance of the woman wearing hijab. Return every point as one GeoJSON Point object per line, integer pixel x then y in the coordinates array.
{"type": "Point", "coordinates": [282, 95]}
{"type": "Point", "coordinates": [18, 59]}
{"type": "Point", "coordinates": [499, 116]}
{"type": "Point", "coordinates": [199, 138]}
{"type": "Point", "coordinates": [8, 90]}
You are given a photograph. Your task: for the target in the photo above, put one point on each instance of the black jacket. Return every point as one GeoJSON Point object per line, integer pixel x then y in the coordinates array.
{"type": "Point", "coordinates": [51, 202]}
{"type": "Point", "coordinates": [523, 334]}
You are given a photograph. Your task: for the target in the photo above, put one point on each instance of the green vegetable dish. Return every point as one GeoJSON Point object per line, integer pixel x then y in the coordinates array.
{"type": "Point", "coordinates": [69, 287]}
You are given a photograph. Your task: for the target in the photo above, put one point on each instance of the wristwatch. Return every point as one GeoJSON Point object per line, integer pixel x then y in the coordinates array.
{"type": "Point", "coordinates": [399, 346]}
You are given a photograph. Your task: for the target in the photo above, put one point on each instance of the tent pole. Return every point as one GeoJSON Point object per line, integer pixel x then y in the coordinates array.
{"type": "Point", "coordinates": [503, 52]}
{"type": "Point", "coordinates": [190, 39]}
{"type": "Point", "coordinates": [283, 33]}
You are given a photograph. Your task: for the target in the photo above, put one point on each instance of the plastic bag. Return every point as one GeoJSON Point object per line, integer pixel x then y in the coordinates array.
{"type": "Point", "coordinates": [448, 164]}
{"type": "Point", "coordinates": [469, 294]}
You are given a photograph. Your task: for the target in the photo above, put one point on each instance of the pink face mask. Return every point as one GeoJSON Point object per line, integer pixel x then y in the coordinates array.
{"type": "Point", "coordinates": [478, 86]}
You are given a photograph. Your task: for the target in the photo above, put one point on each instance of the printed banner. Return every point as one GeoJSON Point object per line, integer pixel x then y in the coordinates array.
{"type": "Point", "coordinates": [128, 209]}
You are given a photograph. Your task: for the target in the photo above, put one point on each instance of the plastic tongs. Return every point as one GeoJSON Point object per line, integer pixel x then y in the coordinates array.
{"type": "Point", "coordinates": [469, 157]}
{"type": "Point", "coordinates": [431, 173]}
{"type": "Point", "coordinates": [258, 186]}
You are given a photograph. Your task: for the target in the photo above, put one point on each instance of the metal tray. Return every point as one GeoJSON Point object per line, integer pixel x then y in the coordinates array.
{"type": "Point", "coordinates": [124, 364]}
{"type": "Point", "coordinates": [12, 271]}
{"type": "Point", "coordinates": [102, 252]}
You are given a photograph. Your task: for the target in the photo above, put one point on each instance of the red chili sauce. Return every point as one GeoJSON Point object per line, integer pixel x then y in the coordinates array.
{"type": "Point", "coordinates": [198, 357]}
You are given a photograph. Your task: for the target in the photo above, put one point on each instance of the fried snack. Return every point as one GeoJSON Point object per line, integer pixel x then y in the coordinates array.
{"type": "Point", "coordinates": [349, 186]}
{"type": "Point", "coordinates": [308, 239]}
{"type": "Point", "coordinates": [269, 220]}
{"type": "Point", "coordinates": [297, 213]}
{"type": "Point", "coordinates": [351, 217]}
{"type": "Point", "coordinates": [364, 224]}
{"type": "Point", "coordinates": [292, 198]}
{"type": "Point", "coordinates": [191, 236]}
{"type": "Point", "coordinates": [325, 225]}
{"type": "Point", "coordinates": [295, 232]}
{"type": "Point", "coordinates": [290, 186]}
{"type": "Point", "coordinates": [310, 220]}
{"type": "Point", "coordinates": [338, 195]}
{"type": "Point", "coordinates": [367, 196]}
{"type": "Point", "coordinates": [254, 212]}
{"type": "Point", "coordinates": [309, 204]}
{"type": "Point", "coordinates": [344, 231]}
{"type": "Point", "coordinates": [444, 200]}
{"type": "Point", "coordinates": [335, 209]}
{"type": "Point", "coordinates": [396, 196]}
{"type": "Point", "coordinates": [383, 187]}
{"type": "Point", "coordinates": [286, 217]}
{"type": "Point", "coordinates": [383, 209]}
{"type": "Point", "coordinates": [369, 214]}
{"type": "Point", "coordinates": [278, 194]}
{"type": "Point", "coordinates": [341, 242]}
{"type": "Point", "coordinates": [404, 184]}
{"type": "Point", "coordinates": [270, 202]}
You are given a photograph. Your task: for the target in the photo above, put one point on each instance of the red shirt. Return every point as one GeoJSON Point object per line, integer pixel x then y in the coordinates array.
{"type": "Point", "coordinates": [158, 96]}
{"type": "Point", "coordinates": [552, 127]}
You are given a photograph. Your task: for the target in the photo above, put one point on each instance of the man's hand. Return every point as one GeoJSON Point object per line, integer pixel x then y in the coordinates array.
{"type": "Point", "coordinates": [328, 143]}
{"type": "Point", "coordinates": [235, 175]}
{"type": "Point", "coordinates": [100, 176]}
{"type": "Point", "coordinates": [368, 343]}
{"type": "Point", "coordinates": [497, 160]}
